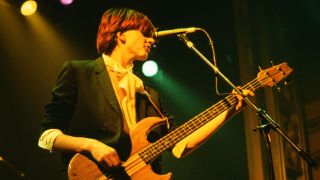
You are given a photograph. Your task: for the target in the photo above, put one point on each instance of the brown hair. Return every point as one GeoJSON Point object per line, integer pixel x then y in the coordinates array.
{"type": "Point", "coordinates": [120, 20]}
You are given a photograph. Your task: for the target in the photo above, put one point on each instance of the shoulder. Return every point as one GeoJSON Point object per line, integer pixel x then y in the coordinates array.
{"type": "Point", "coordinates": [79, 63]}
{"type": "Point", "coordinates": [84, 64]}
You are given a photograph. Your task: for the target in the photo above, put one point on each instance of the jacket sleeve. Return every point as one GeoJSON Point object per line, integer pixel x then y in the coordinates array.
{"type": "Point", "coordinates": [59, 111]}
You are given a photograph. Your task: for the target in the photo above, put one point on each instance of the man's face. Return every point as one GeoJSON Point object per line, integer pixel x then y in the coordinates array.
{"type": "Point", "coordinates": [137, 44]}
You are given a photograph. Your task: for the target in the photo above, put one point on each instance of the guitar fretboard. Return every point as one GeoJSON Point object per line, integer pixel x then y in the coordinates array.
{"type": "Point", "coordinates": [267, 77]}
{"type": "Point", "coordinates": [149, 153]}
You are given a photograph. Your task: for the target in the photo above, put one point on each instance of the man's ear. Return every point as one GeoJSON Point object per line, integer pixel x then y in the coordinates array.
{"type": "Point", "coordinates": [121, 37]}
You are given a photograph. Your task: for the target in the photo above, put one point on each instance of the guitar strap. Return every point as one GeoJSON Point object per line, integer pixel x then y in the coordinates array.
{"type": "Point", "coordinates": [145, 93]}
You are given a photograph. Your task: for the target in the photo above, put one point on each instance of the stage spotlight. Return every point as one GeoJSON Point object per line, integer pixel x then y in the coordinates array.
{"type": "Point", "coordinates": [66, 2]}
{"type": "Point", "coordinates": [149, 68]}
{"type": "Point", "coordinates": [28, 8]}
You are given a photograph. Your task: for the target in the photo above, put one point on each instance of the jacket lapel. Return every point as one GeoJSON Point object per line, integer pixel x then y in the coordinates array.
{"type": "Point", "coordinates": [105, 83]}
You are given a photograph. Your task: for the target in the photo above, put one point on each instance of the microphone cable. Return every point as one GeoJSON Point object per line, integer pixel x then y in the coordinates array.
{"type": "Point", "coordinates": [214, 62]}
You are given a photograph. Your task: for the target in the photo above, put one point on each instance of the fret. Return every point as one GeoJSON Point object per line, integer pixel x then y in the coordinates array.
{"type": "Point", "coordinates": [192, 124]}
{"type": "Point", "coordinates": [251, 87]}
{"type": "Point", "coordinates": [189, 127]}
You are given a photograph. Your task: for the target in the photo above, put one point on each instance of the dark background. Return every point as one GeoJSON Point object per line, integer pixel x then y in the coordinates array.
{"type": "Point", "coordinates": [32, 50]}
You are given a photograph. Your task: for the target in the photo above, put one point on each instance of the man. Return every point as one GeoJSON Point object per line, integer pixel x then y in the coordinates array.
{"type": "Point", "coordinates": [94, 103]}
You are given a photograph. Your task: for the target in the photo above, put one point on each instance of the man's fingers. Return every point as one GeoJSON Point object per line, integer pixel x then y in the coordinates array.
{"type": "Point", "coordinates": [239, 105]}
{"type": "Point", "coordinates": [111, 161]}
{"type": "Point", "coordinates": [108, 161]}
{"type": "Point", "coordinates": [247, 93]}
{"type": "Point", "coordinates": [115, 159]}
{"type": "Point", "coordinates": [106, 154]}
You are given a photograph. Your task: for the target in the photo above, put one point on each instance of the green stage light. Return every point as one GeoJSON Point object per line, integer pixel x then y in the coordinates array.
{"type": "Point", "coordinates": [149, 68]}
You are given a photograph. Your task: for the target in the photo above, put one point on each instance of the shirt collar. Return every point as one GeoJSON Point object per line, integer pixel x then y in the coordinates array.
{"type": "Point", "coordinates": [115, 66]}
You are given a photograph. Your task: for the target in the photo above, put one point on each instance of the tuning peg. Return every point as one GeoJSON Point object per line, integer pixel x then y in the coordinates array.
{"type": "Point", "coordinates": [260, 69]}
{"type": "Point", "coordinates": [287, 82]}
{"type": "Point", "coordinates": [278, 88]}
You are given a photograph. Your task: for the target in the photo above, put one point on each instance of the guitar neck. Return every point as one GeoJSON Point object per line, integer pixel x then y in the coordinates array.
{"type": "Point", "coordinates": [153, 150]}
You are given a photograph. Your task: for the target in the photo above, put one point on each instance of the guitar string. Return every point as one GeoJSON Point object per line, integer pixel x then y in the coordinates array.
{"type": "Point", "coordinates": [151, 151]}
{"type": "Point", "coordinates": [166, 142]}
{"type": "Point", "coordinates": [230, 99]}
{"type": "Point", "coordinates": [182, 131]}
{"type": "Point", "coordinates": [221, 104]}
{"type": "Point", "coordinates": [131, 164]}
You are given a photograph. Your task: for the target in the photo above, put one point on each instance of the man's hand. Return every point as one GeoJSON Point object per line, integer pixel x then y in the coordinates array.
{"type": "Point", "coordinates": [104, 153]}
{"type": "Point", "coordinates": [245, 92]}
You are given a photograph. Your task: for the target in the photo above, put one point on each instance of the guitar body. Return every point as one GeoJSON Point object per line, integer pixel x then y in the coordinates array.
{"type": "Point", "coordinates": [83, 168]}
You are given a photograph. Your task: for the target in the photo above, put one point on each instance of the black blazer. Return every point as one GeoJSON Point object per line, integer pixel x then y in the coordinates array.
{"type": "Point", "coordinates": [84, 104]}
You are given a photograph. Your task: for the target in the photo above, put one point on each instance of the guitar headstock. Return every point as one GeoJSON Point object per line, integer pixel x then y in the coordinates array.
{"type": "Point", "coordinates": [274, 74]}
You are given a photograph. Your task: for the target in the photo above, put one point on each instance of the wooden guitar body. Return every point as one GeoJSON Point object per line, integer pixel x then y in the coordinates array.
{"type": "Point", "coordinates": [82, 167]}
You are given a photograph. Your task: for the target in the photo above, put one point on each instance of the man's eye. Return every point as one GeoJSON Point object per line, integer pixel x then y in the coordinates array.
{"type": "Point", "coordinates": [148, 35]}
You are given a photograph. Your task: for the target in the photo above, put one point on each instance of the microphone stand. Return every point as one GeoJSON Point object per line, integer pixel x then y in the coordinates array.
{"type": "Point", "coordinates": [266, 123]}
{"type": "Point", "coordinates": [19, 173]}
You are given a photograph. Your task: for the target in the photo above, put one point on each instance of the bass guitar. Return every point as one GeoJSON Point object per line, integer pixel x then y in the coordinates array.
{"type": "Point", "coordinates": [137, 166]}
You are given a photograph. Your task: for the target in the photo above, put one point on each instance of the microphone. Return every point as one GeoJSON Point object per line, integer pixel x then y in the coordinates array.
{"type": "Point", "coordinates": [176, 31]}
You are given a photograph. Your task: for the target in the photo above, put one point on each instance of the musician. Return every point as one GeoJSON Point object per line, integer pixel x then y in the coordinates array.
{"type": "Point", "coordinates": [96, 103]}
